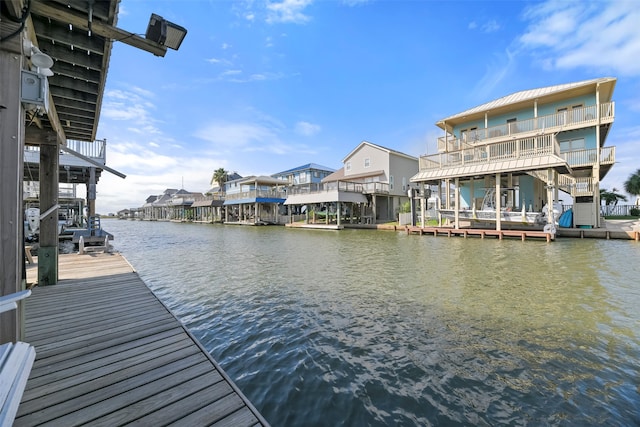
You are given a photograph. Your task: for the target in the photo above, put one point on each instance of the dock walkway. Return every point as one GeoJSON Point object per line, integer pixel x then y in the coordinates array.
{"type": "Point", "coordinates": [108, 352]}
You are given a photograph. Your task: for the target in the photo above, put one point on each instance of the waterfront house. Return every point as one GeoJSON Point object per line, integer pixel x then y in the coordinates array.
{"type": "Point", "coordinates": [156, 207]}
{"type": "Point", "coordinates": [254, 200]}
{"type": "Point", "coordinates": [180, 205]}
{"type": "Point", "coordinates": [311, 173]}
{"type": "Point", "coordinates": [369, 188]}
{"type": "Point", "coordinates": [522, 153]}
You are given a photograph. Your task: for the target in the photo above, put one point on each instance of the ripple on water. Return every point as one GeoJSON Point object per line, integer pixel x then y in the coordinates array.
{"type": "Point", "coordinates": [370, 328]}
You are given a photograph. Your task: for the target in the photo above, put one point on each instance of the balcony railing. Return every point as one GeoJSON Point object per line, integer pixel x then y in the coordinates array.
{"type": "Point", "coordinates": [552, 123]}
{"type": "Point", "coordinates": [499, 151]}
{"type": "Point", "coordinates": [96, 150]}
{"type": "Point", "coordinates": [588, 157]}
{"type": "Point", "coordinates": [254, 194]}
{"type": "Point", "coordinates": [347, 186]}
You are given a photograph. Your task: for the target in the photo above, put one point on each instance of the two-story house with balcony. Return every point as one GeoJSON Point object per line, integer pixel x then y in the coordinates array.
{"type": "Point", "coordinates": [507, 160]}
{"type": "Point", "coordinates": [254, 200]}
{"type": "Point", "coordinates": [369, 188]}
{"type": "Point", "coordinates": [311, 173]}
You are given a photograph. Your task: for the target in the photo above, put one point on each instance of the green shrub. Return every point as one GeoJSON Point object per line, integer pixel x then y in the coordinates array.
{"type": "Point", "coordinates": [634, 212]}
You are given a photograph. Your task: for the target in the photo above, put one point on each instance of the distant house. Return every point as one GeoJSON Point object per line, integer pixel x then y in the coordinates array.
{"type": "Point", "coordinates": [180, 205]}
{"type": "Point", "coordinates": [171, 205]}
{"type": "Point", "coordinates": [254, 200]}
{"type": "Point", "coordinates": [156, 206]}
{"type": "Point", "coordinates": [370, 188]}
{"type": "Point", "coordinates": [311, 173]}
{"type": "Point", "coordinates": [510, 159]}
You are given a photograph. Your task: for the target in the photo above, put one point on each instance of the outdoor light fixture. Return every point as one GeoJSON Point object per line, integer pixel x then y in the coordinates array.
{"type": "Point", "coordinates": [164, 32]}
{"type": "Point", "coordinates": [41, 62]}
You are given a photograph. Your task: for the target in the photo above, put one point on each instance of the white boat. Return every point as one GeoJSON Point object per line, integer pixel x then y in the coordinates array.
{"type": "Point", "coordinates": [507, 214]}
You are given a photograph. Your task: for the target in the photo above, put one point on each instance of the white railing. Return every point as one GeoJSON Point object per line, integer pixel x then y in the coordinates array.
{"type": "Point", "coordinates": [508, 150]}
{"type": "Point", "coordinates": [551, 123]}
{"type": "Point", "coordinates": [589, 157]}
{"type": "Point", "coordinates": [96, 150]}
{"type": "Point", "coordinates": [583, 187]}
{"type": "Point", "coordinates": [347, 186]}
{"type": "Point", "coordinates": [252, 194]}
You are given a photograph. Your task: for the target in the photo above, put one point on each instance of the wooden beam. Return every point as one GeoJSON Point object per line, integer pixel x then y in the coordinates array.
{"type": "Point", "coordinates": [78, 20]}
{"type": "Point", "coordinates": [78, 57]}
{"type": "Point", "coordinates": [49, 31]}
{"type": "Point", "coordinates": [14, 7]}
{"type": "Point", "coordinates": [48, 250]}
{"type": "Point", "coordinates": [11, 169]}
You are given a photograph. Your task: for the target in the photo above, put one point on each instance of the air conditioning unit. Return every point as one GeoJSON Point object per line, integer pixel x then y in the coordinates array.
{"type": "Point", "coordinates": [34, 92]}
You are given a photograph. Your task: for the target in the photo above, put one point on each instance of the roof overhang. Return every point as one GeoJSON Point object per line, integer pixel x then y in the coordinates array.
{"type": "Point", "coordinates": [507, 166]}
{"type": "Point", "coordinates": [526, 98]}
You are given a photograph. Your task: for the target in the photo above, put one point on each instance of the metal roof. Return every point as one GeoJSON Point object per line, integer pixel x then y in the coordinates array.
{"type": "Point", "coordinates": [530, 95]}
{"type": "Point", "coordinates": [379, 147]}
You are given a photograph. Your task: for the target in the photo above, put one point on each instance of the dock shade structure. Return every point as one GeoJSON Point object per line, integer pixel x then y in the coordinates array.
{"type": "Point", "coordinates": [57, 54]}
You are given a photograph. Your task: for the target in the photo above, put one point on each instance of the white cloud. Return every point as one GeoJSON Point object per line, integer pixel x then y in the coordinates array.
{"type": "Point", "coordinates": [307, 129]}
{"type": "Point", "coordinates": [228, 137]}
{"type": "Point", "coordinates": [602, 36]}
{"type": "Point", "coordinates": [490, 26]}
{"type": "Point", "coordinates": [288, 11]}
{"type": "Point", "coordinates": [218, 61]}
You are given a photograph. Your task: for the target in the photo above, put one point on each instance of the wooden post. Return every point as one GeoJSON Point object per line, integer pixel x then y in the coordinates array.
{"type": "Point", "coordinates": [48, 251]}
{"type": "Point", "coordinates": [91, 193]}
{"type": "Point", "coordinates": [456, 194]}
{"type": "Point", "coordinates": [11, 176]}
{"type": "Point", "coordinates": [498, 203]}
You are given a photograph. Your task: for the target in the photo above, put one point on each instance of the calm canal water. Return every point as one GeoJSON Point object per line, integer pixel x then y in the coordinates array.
{"type": "Point", "coordinates": [368, 328]}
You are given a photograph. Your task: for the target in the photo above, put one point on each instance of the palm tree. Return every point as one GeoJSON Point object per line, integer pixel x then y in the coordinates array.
{"type": "Point", "coordinates": [220, 177]}
{"type": "Point", "coordinates": [611, 198]}
{"type": "Point", "coordinates": [632, 185]}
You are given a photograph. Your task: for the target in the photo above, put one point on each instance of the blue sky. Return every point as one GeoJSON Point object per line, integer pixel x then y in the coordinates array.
{"type": "Point", "coordinates": [258, 87]}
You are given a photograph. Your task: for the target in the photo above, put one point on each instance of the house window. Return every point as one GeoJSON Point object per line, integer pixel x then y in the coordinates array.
{"type": "Point", "coordinates": [470, 134]}
{"type": "Point", "coordinates": [347, 167]}
{"type": "Point", "coordinates": [512, 127]}
{"type": "Point", "coordinates": [572, 145]}
{"type": "Point", "coordinates": [571, 114]}
{"type": "Point", "coordinates": [404, 183]}
{"type": "Point", "coordinates": [390, 182]}
{"type": "Point", "coordinates": [367, 162]}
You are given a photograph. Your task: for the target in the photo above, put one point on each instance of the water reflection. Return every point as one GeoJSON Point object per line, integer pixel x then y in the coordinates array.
{"type": "Point", "coordinates": [380, 328]}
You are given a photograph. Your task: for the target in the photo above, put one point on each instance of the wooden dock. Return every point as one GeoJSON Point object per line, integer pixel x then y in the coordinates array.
{"type": "Point", "coordinates": [109, 353]}
{"type": "Point", "coordinates": [479, 232]}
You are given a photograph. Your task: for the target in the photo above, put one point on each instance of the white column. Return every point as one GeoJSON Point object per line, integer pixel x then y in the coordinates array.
{"type": "Point", "coordinates": [498, 203]}
{"type": "Point", "coordinates": [456, 195]}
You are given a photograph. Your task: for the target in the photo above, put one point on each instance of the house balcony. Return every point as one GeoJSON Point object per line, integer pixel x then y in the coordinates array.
{"type": "Point", "coordinates": [345, 186]}
{"type": "Point", "coordinates": [515, 149]}
{"type": "Point", "coordinates": [96, 151]}
{"type": "Point", "coordinates": [256, 194]}
{"type": "Point", "coordinates": [562, 121]}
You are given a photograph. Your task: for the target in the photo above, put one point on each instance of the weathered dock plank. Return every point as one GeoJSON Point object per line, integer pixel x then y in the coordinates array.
{"type": "Point", "coordinates": [108, 352]}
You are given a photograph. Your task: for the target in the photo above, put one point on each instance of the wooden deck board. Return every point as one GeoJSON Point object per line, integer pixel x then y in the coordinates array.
{"type": "Point", "coordinates": [108, 352]}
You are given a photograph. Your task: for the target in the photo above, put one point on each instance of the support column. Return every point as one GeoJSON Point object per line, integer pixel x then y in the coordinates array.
{"type": "Point", "coordinates": [11, 177]}
{"type": "Point", "coordinates": [91, 193]}
{"type": "Point", "coordinates": [423, 204]}
{"type": "Point", "coordinates": [550, 174]}
{"type": "Point", "coordinates": [338, 213]}
{"type": "Point", "coordinates": [456, 190]}
{"type": "Point", "coordinates": [498, 203]}
{"type": "Point", "coordinates": [596, 167]}
{"type": "Point", "coordinates": [48, 251]}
